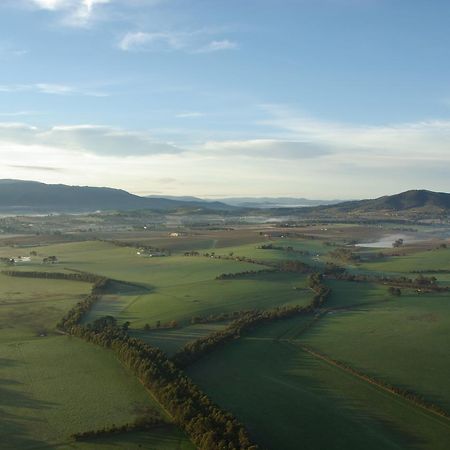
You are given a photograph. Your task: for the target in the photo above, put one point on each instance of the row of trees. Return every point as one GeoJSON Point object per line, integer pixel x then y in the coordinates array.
{"type": "Point", "coordinates": [345, 254]}
{"type": "Point", "coordinates": [145, 423]}
{"type": "Point", "coordinates": [195, 350]}
{"type": "Point", "coordinates": [431, 271]}
{"type": "Point", "coordinates": [162, 326]}
{"type": "Point", "coordinates": [246, 273]}
{"type": "Point", "coordinates": [288, 249]}
{"type": "Point", "coordinates": [419, 282]}
{"type": "Point", "coordinates": [400, 391]}
{"type": "Point", "coordinates": [283, 266]}
{"type": "Point", "coordinates": [209, 427]}
{"type": "Point", "coordinates": [135, 244]}
{"type": "Point", "coordinates": [222, 317]}
{"type": "Point", "coordinates": [78, 276]}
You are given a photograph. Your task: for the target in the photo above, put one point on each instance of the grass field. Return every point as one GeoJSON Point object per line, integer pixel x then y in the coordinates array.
{"type": "Point", "coordinates": [314, 247]}
{"type": "Point", "coordinates": [170, 341]}
{"type": "Point", "coordinates": [423, 260]}
{"type": "Point", "coordinates": [166, 438]}
{"type": "Point", "coordinates": [291, 400]}
{"type": "Point", "coordinates": [55, 386]}
{"type": "Point", "coordinates": [52, 386]}
{"type": "Point", "coordinates": [31, 307]}
{"type": "Point", "coordinates": [183, 301]}
{"type": "Point", "coordinates": [403, 341]}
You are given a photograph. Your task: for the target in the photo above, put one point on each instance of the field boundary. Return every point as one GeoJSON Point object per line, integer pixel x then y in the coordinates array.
{"type": "Point", "coordinates": [407, 395]}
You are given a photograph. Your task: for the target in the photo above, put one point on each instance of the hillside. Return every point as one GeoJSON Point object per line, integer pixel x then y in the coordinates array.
{"type": "Point", "coordinates": [32, 196]}
{"type": "Point", "coordinates": [409, 203]}
{"type": "Point", "coordinates": [418, 200]}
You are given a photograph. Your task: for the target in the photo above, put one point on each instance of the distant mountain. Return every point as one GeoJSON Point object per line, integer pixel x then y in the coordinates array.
{"type": "Point", "coordinates": [17, 196]}
{"type": "Point", "coordinates": [183, 198]}
{"type": "Point", "coordinates": [32, 196]}
{"type": "Point", "coordinates": [274, 202]}
{"type": "Point", "coordinates": [409, 202]}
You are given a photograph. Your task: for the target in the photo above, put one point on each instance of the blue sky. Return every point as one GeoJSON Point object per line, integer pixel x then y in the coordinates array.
{"type": "Point", "coordinates": [315, 98]}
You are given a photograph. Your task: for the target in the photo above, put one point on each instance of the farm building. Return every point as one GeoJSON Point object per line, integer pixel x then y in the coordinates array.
{"type": "Point", "coordinates": [150, 254]}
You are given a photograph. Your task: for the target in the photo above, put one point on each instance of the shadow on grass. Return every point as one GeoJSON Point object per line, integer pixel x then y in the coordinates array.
{"type": "Point", "coordinates": [15, 417]}
{"type": "Point", "coordinates": [286, 397]}
{"type": "Point", "coordinates": [355, 407]}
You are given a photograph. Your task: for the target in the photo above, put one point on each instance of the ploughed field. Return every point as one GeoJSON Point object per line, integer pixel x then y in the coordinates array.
{"type": "Point", "coordinates": [314, 380]}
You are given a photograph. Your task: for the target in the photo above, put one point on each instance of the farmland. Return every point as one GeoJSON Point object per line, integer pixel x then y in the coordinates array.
{"type": "Point", "coordinates": [57, 385]}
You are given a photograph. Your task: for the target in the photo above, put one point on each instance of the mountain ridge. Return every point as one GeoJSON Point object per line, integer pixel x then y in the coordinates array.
{"type": "Point", "coordinates": [24, 195]}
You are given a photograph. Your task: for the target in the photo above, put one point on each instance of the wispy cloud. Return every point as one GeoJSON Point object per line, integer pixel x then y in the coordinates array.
{"type": "Point", "coordinates": [399, 144]}
{"type": "Point", "coordinates": [73, 12]}
{"type": "Point", "coordinates": [217, 46]}
{"type": "Point", "coordinates": [52, 89]}
{"type": "Point", "coordinates": [142, 41]}
{"type": "Point", "coordinates": [188, 41]}
{"type": "Point", "coordinates": [96, 139]}
{"type": "Point", "coordinates": [19, 113]}
{"type": "Point", "coordinates": [38, 168]}
{"type": "Point", "coordinates": [265, 148]}
{"type": "Point", "coordinates": [313, 158]}
{"type": "Point", "coordinates": [189, 115]}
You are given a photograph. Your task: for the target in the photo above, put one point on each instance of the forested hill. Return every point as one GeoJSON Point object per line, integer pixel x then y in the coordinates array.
{"type": "Point", "coordinates": [32, 196]}
{"type": "Point", "coordinates": [413, 201]}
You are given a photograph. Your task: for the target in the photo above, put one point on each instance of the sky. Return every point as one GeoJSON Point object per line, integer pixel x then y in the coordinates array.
{"type": "Point", "coordinates": [323, 99]}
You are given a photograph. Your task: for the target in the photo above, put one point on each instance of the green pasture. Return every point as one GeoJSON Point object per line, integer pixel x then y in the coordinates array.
{"type": "Point", "coordinates": [30, 307]}
{"type": "Point", "coordinates": [404, 341]}
{"type": "Point", "coordinates": [315, 247]}
{"type": "Point", "coordinates": [52, 387]}
{"type": "Point", "coordinates": [165, 438]}
{"type": "Point", "coordinates": [170, 341]}
{"type": "Point", "coordinates": [123, 263]}
{"type": "Point", "coordinates": [349, 293]}
{"type": "Point", "coordinates": [207, 240]}
{"type": "Point", "coordinates": [181, 302]}
{"type": "Point", "coordinates": [423, 260]}
{"type": "Point", "coordinates": [290, 400]}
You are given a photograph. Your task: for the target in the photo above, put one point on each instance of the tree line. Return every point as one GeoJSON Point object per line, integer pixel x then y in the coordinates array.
{"type": "Point", "coordinates": [288, 249]}
{"type": "Point", "coordinates": [78, 276]}
{"type": "Point", "coordinates": [195, 350]}
{"type": "Point", "coordinates": [221, 317]}
{"type": "Point", "coordinates": [136, 244]}
{"type": "Point", "coordinates": [244, 274]}
{"type": "Point", "coordinates": [145, 423]}
{"type": "Point", "coordinates": [419, 282]}
{"type": "Point", "coordinates": [401, 392]}
{"type": "Point", "coordinates": [208, 426]}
